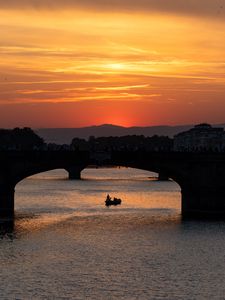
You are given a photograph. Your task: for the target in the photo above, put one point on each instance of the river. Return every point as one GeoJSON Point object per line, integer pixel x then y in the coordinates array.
{"type": "Point", "coordinates": [67, 245]}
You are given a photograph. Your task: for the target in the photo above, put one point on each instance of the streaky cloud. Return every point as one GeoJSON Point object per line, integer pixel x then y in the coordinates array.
{"type": "Point", "coordinates": [213, 8]}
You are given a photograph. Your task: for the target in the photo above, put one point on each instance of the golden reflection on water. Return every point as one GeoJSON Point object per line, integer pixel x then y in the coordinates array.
{"type": "Point", "coordinates": [67, 245]}
{"type": "Point", "coordinates": [51, 198]}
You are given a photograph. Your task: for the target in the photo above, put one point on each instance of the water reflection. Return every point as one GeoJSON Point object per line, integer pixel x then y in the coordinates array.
{"type": "Point", "coordinates": [65, 244]}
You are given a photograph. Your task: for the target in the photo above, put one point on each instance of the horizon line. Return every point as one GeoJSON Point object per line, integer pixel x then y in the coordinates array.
{"type": "Point", "coordinates": [134, 126]}
{"type": "Point", "coordinates": [116, 125]}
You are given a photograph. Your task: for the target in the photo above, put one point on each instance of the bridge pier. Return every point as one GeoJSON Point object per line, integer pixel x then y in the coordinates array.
{"type": "Point", "coordinates": [74, 172]}
{"type": "Point", "coordinates": [203, 202]}
{"type": "Point", "coordinates": [7, 192]}
{"type": "Point", "coordinates": [163, 176]}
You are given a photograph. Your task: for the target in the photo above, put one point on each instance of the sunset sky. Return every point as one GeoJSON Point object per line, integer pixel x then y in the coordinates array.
{"type": "Point", "coordinates": [73, 63]}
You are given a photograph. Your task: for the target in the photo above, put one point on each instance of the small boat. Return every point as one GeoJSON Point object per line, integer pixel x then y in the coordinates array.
{"type": "Point", "coordinates": [115, 201]}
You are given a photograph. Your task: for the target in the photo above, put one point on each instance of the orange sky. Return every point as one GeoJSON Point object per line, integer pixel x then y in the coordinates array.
{"type": "Point", "coordinates": [78, 63]}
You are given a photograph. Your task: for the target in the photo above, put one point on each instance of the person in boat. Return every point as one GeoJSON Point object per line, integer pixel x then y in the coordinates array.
{"type": "Point", "coordinates": [110, 201]}
{"type": "Point", "coordinates": [108, 198]}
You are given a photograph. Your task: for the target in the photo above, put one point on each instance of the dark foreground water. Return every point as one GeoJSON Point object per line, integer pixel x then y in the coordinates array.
{"type": "Point", "coordinates": [67, 245]}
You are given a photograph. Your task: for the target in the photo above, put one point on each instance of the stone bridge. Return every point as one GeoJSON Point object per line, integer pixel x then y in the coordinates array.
{"type": "Point", "coordinates": [201, 176]}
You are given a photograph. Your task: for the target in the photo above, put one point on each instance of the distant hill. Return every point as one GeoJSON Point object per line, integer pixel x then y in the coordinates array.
{"type": "Point", "coordinates": [65, 135]}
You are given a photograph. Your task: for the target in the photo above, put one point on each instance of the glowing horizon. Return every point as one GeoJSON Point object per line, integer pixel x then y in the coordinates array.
{"type": "Point", "coordinates": [75, 66]}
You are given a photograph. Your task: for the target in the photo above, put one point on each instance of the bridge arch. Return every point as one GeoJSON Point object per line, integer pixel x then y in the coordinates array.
{"type": "Point", "coordinates": [57, 181]}
{"type": "Point", "coordinates": [200, 175]}
{"type": "Point", "coordinates": [7, 207]}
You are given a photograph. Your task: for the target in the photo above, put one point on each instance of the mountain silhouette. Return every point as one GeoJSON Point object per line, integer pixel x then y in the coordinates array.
{"type": "Point", "coordinates": [65, 135]}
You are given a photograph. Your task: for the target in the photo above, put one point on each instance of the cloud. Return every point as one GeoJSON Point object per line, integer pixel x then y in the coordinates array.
{"type": "Point", "coordinates": [213, 8]}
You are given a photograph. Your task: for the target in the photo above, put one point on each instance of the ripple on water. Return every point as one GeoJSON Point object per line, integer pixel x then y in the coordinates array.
{"type": "Point", "coordinates": [67, 245]}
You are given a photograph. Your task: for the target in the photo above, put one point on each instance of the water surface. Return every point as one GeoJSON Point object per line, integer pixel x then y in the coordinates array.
{"type": "Point", "coordinates": [67, 245]}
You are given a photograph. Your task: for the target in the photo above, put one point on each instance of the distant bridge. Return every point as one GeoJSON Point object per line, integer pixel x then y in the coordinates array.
{"type": "Point", "coordinates": [201, 176]}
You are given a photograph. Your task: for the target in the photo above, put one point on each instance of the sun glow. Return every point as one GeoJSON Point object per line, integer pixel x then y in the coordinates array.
{"type": "Point", "coordinates": [129, 64]}
{"type": "Point", "coordinates": [115, 66]}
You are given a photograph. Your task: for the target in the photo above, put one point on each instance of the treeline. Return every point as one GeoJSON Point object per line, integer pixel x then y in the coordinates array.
{"type": "Point", "coordinates": [27, 139]}
{"type": "Point", "coordinates": [20, 139]}
{"type": "Point", "coordinates": [129, 142]}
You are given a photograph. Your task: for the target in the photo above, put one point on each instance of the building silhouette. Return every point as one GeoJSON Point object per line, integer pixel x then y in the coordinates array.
{"type": "Point", "coordinates": [203, 137]}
